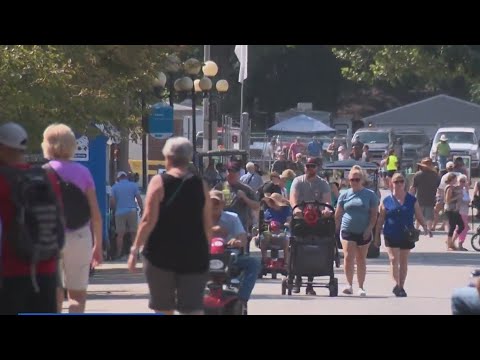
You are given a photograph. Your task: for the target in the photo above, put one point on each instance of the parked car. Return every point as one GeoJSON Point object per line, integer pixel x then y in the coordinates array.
{"type": "Point", "coordinates": [463, 141]}
{"type": "Point", "coordinates": [416, 145]}
{"type": "Point", "coordinates": [379, 140]}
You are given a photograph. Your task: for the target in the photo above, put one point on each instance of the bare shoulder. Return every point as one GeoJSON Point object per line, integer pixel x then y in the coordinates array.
{"type": "Point", "coordinates": [156, 183]}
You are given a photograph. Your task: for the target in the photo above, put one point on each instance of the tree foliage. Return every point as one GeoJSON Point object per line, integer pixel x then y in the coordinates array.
{"type": "Point", "coordinates": [453, 69]}
{"type": "Point", "coordinates": [77, 84]}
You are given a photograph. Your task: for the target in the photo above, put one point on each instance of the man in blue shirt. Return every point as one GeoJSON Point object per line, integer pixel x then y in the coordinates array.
{"type": "Point", "coordinates": [251, 178]}
{"type": "Point", "coordinates": [314, 148]}
{"type": "Point", "coordinates": [124, 200]}
{"type": "Point", "coordinates": [228, 226]}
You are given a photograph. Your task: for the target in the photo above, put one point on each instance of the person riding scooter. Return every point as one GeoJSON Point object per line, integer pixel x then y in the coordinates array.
{"type": "Point", "coordinates": [227, 225]}
{"type": "Point", "coordinates": [278, 211]}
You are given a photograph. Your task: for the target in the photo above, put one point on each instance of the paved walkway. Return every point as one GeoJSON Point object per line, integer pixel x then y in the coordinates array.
{"type": "Point", "coordinates": [433, 274]}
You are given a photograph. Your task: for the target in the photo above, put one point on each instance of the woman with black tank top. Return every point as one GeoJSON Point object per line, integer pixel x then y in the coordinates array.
{"type": "Point", "coordinates": [175, 230]}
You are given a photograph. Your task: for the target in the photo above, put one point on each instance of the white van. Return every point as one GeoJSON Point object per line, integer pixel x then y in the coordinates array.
{"type": "Point", "coordinates": [462, 141]}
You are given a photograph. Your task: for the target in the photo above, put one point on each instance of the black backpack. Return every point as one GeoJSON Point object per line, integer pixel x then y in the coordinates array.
{"type": "Point", "coordinates": [37, 230]}
{"type": "Point", "coordinates": [76, 208]}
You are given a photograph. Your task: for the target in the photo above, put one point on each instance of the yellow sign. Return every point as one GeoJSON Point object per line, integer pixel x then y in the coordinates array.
{"type": "Point", "coordinates": [152, 165]}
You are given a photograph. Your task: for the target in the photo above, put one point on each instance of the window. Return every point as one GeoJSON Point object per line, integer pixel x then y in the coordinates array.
{"type": "Point", "coordinates": [414, 139]}
{"type": "Point", "coordinates": [458, 137]}
{"type": "Point", "coordinates": [373, 137]}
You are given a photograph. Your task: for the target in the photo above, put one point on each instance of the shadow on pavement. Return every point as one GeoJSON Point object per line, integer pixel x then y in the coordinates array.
{"type": "Point", "coordinates": [115, 295]}
{"type": "Point", "coordinates": [116, 276]}
{"type": "Point", "coordinates": [454, 258]}
{"type": "Point", "coordinates": [320, 295]}
{"type": "Point", "coordinates": [301, 297]}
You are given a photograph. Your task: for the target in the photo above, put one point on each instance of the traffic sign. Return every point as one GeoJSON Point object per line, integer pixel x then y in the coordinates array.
{"type": "Point", "coordinates": [160, 121]}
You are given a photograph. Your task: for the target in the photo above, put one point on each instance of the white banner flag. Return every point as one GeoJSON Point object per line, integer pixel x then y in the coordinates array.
{"type": "Point", "coordinates": [242, 54]}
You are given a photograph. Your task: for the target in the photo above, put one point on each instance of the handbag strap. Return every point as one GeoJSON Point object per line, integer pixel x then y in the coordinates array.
{"type": "Point", "coordinates": [399, 206]}
{"type": "Point", "coordinates": [185, 178]}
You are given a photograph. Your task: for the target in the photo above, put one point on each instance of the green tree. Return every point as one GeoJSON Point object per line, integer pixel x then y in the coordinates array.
{"type": "Point", "coordinates": [78, 84]}
{"type": "Point", "coordinates": [454, 69]}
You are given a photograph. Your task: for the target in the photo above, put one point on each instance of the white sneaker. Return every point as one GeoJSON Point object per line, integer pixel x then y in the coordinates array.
{"type": "Point", "coordinates": [362, 292]}
{"type": "Point", "coordinates": [348, 290]}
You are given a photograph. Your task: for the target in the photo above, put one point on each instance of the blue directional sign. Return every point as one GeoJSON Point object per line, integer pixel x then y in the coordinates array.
{"type": "Point", "coordinates": [160, 121]}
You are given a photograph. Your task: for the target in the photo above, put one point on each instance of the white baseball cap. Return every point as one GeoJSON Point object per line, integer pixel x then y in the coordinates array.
{"type": "Point", "coordinates": [121, 173]}
{"type": "Point", "coordinates": [13, 136]}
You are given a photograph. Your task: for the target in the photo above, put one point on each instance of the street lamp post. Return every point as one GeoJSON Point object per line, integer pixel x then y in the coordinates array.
{"type": "Point", "coordinates": [192, 84]}
{"type": "Point", "coordinates": [210, 70]}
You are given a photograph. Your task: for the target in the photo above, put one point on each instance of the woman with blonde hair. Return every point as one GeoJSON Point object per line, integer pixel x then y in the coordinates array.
{"type": "Point", "coordinates": [59, 145]}
{"type": "Point", "coordinates": [289, 176]}
{"type": "Point", "coordinates": [355, 218]}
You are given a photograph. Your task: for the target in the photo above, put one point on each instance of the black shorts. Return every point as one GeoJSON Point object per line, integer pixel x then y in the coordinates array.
{"type": "Point", "coordinates": [390, 173]}
{"type": "Point", "coordinates": [357, 238]}
{"type": "Point", "coordinates": [17, 295]}
{"type": "Point", "coordinates": [398, 244]}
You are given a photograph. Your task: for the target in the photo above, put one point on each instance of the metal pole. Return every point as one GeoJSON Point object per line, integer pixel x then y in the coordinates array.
{"type": "Point", "coordinates": [241, 100]}
{"type": "Point", "coordinates": [207, 121]}
{"type": "Point", "coordinates": [170, 90]}
{"type": "Point", "coordinates": [210, 122]}
{"type": "Point", "coordinates": [194, 123]}
{"type": "Point", "coordinates": [144, 145]}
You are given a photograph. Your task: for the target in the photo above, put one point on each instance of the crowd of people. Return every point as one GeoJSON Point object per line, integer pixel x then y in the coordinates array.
{"type": "Point", "coordinates": [182, 211]}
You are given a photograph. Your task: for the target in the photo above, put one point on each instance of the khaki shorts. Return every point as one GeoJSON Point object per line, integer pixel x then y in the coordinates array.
{"type": "Point", "coordinates": [60, 276]}
{"type": "Point", "coordinates": [126, 222]}
{"type": "Point", "coordinates": [76, 259]}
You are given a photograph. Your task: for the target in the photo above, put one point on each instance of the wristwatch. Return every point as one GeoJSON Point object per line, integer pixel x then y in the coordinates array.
{"type": "Point", "coordinates": [133, 251]}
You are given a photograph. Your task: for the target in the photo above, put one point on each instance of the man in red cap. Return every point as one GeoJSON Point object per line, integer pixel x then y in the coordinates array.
{"type": "Point", "coordinates": [309, 187]}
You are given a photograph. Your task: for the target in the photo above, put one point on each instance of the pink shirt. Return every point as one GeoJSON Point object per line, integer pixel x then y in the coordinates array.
{"type": "Point", "coordinates": [294, 150]}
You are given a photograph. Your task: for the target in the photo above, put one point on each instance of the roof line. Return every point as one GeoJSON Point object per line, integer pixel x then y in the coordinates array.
{"type": "Point", "coordinates": [422, 101]}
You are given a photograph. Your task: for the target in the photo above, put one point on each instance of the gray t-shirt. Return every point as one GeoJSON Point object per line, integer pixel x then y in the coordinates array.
{"type": "Point", "coordinates": [309, 190]}
{"type": "Point", "coordinates": [238, 206]}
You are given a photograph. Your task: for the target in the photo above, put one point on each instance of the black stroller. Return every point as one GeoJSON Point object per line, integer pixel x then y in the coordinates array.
{"type": "Point", "coordinates": [313, 249]}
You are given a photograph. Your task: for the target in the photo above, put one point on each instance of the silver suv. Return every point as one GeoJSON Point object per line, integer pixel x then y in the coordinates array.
{"type": "Point", "coordinates": [379, 140]}
{"type": "Point", "coordinates": [416, 145]}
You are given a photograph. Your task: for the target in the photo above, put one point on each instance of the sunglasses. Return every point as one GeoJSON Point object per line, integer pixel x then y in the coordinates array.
{"type": "Point", "coordinates": [310, 166]}
{"type": "Point", "coordinates": [355, 180]}
{"type": "Point", "coordinates": [399, 181]}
